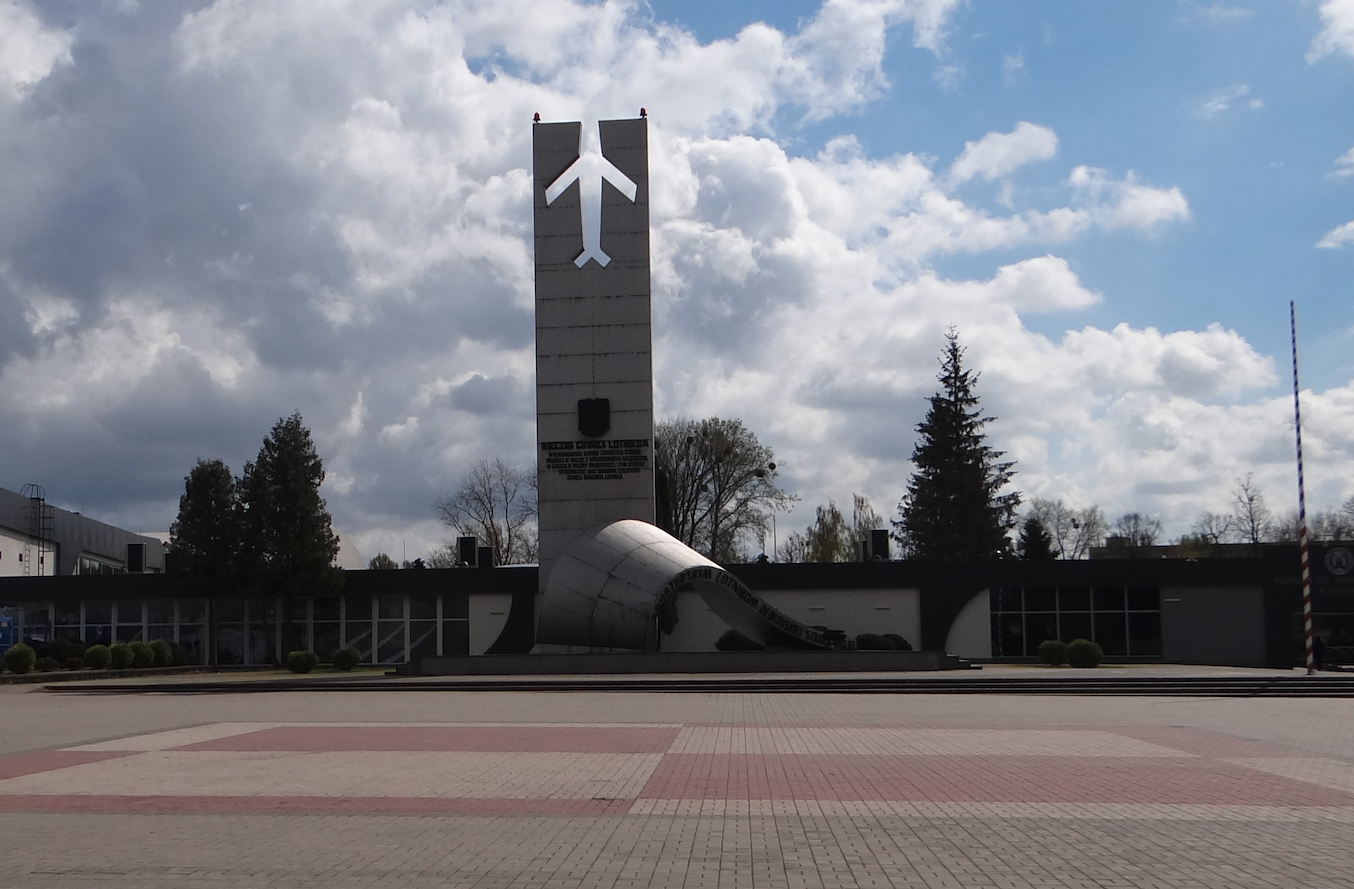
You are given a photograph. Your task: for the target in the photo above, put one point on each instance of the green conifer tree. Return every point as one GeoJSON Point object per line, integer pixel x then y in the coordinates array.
{"type": "Point", "coordinates": [1035, 543]}
{"type": "Point", "coordinates": [954, 508]}
{"type": "Point", "coordinates": [289, 537]}
{"type": "Point", "coordinates": [205, 539]}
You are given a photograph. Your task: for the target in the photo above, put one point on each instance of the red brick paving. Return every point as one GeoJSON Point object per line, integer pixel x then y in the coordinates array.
{"type": "Point", "coordinates": [319, 805]}
{"type": "Point", "coordinates": [505, 739]}
{"type": "Point", "coordinates": [1041, 779]}
{"type": "Point", "coordinates": [1199, 742]}
{"type": "Point", "coordinates": [297, 842]}
{"type": "Point", "coordinates": [1200, 777]}
{"type": "Point", "coordinates": [50, 760]}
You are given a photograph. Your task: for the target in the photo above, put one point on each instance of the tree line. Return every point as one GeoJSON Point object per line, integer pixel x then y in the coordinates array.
{"type": "Point", "coordinates": [265, 535]}
{"type": "Point", "coordinates": [267, 531]}
{"type": "Point", "coordinates": [716, 490]}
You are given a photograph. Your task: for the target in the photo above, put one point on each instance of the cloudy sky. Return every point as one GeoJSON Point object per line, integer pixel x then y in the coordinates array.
{"type": "Point", "coordinates": [213, 214]}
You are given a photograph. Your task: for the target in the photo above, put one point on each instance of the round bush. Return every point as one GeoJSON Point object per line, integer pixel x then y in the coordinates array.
{"type": "Point", "coordinates": [1084, 653]}
{"type": "Point", "coordinates": [161, 652]}
{"type": "Point", "coordinates": [96, 657]}
{"type": "Point", "coordinates": [898, 642]}
{"type": "Point", "coordinates": [48, 664]}
{"type": "Point", "coordinates": [302, 661]}
{"type": "Point", "coordinates": [119, 656]}
{"type": "Point", "coordinates": [732, 640]}
{"type": "Point", "coordinates": [874, 642]}
{"type": "Point", "coordinates": [178, 655]}
{"type": "Point", "coordinates": [1053, 652]}
{"type": "Point", "coordinates": [346, 658]}
{"type": "Point", "coordinates": [61, 649]}
{"type": "Point", "coordinates": [20, 658]}
{"type": "Point", "coordinates": [74, 663]}
{"type": "Point", "coordinates": [142, 655]}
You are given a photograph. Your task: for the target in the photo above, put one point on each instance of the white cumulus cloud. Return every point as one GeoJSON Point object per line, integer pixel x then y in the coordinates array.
{"type": "Point", "coordinates": [1127, 203]}
{"type": "Point", "coordinates": [999, 154]}
{"type": "Point", "coordinates": [328, 208]}
{"type": "Point", "coordinates": [1337, 29]}
{"type": "Point", "coordinates": [28, 51]}
{"type": "Point", "coordinates": [1344, 164]}
{"type": "Point", "coordinates": [1228, 98]}
{"type": "Point", "coordinates": [1338, 237]}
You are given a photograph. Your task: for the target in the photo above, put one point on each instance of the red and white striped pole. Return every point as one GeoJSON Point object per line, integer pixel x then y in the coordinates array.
{"type": "Point", "coordinates": [1302, 500]}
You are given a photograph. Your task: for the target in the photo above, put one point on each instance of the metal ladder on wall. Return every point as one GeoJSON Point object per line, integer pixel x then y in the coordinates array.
{"type": "Point", "coordinates": [41, 524]}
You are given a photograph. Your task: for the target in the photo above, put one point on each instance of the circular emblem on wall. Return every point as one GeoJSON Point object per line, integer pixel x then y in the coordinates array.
{"type": "Point", "coordinates": [1339, 560]}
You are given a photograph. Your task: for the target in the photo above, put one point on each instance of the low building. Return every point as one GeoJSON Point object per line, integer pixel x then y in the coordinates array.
{"type": "Point", "coordinates": [1234, 611]}
{"type": "Point", "coordinates": [41, 540]}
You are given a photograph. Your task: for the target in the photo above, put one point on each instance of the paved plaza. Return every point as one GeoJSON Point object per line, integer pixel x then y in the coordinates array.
{"type": "Point", "coordinates": [685, 790]}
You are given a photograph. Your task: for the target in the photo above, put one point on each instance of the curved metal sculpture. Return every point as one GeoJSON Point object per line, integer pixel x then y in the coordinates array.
{"type": "Point", "coordinates": [605, 591]}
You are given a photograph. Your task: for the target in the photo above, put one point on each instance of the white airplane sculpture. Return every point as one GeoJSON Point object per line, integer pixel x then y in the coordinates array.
{"type": "Point", "coordinates": [589, 171]}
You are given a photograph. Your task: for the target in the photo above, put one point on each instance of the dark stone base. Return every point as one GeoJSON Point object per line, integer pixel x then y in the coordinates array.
{"type": "Point", "coordinates": [688, 662]}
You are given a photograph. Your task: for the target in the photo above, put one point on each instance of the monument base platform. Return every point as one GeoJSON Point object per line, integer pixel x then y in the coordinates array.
{"type": "Point", "coordinates": [687, 662]}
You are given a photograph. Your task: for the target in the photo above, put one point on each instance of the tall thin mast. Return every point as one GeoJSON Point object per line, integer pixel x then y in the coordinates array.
{"type": "Point", "coordinates": [1302, 499]}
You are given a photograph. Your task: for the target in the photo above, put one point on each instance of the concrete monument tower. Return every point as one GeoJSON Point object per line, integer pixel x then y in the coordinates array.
{"type": "Point", "coordinates": [604, 567]}
{"type": "Point", "coordinates": [594, 366]}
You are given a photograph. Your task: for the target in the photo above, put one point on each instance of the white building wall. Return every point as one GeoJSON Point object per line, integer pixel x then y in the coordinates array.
{"type": "Point", "coordinates": [971, 633]}
{"type": "Point", "coordinates": [488, 616]}
{"type": "Point", "coordinates": [12, 546]}
{"type": "Point", "coordinates": [852, 611]}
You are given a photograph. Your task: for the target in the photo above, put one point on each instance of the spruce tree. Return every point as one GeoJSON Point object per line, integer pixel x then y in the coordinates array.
{"type": "Point", "coordinates": [954, 508]}
{"type": "Point", "coordinates": [1035, 543]}
{"type": "Point", "coordinates": [205, 539]}
{"type": "Point", "coordinates": [289, 539]}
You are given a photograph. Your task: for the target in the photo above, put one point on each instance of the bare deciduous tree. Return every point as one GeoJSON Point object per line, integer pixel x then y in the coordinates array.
{"type": "Point", "coordinates": [1323, 526]}
{"type": "Point", "coordinates": [1138, 529]}
{"type": "Point", "coordinates": [864, 519]}
{"type": "Point", "coordinates": [1211, 527]}
{"type": "Point", "coordinates": [442, 557]}
{"type": "Point", "coordinates": [716, 485]}
{"type": "Point", "coordinates": [831, 538]}
{"type": "Point", "coordinates": [794, 548]}
{"type": "Point", "coordinates": [1251, 519]}
{"type": "Point", "coordinates": [1074, 531]}
{"type": "Point", "coordinates": [496, 502]}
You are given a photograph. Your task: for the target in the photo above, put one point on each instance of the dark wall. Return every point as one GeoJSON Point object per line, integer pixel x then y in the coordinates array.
{"type": "Point", "coordinates": [945, 588]}
{"type": "Point", "coordinates": [1213, 625]}
{"type": "Point", "coordinates": [430, 581]}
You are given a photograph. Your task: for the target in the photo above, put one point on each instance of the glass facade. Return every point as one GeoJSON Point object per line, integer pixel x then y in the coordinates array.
{"type": "Point", "coordinates": [1124, 620]}
{"type": "Point", "coordinates": [103, 622]}
{"type": "Point", "coordinates": [385, 629]}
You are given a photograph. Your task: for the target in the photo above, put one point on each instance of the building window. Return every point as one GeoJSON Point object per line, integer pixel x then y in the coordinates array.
{"type": "Point", "coordinates": [1125, 621]}
{"type": "Point", "coordinates": [87, 564]}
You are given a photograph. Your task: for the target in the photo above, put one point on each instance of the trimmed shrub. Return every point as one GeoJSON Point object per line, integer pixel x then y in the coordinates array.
{"type": "Point", "coordinates": [178, 655]}
{"type": "Point", "coordinates": [1053, 652]}
{"type": "Point", "coordinates": [732, 640]}
{"type": "Point", "coordinates": [48, 664]}
{"type": "Point", "coordinates": [120, 656]}
{"type": "Point", "coordinates": [20, 658]}
{"type": "Point", "coordinates": [874, 642]}
{"type": "Point", "coordinates": [302, 661]}
{"type": "Point", "coordinates": [898, 642]}
{"type": "Point", "coordinates": [96, 657]}
{"type": "Point", "coordinates": [346, 658]}
{"type": "Point", "coordinates": [61, 649]}
{"type": "Point", "coordinates": [161, 653]}
{"type": "Point", "coordinates": [142, 655]}
{"type": "Point", "coordinates": [74, 663]}
{"type": "Point", "coordinates": [1084, 653]}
